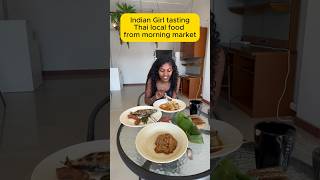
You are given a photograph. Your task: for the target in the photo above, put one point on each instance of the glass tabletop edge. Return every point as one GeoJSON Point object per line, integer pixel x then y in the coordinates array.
{"type": "Point", "coordinates": [143, 173]}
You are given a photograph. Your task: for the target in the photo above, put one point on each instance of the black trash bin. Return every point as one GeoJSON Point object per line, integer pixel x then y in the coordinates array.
{"type": "Point", "coordinates": [274, 143]}
{"type": "Point", "coordinates": [195, 106]}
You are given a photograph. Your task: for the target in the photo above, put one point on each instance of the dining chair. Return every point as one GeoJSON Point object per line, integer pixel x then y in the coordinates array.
{"type": "Point", "coordinates": [3, 107]}
{"type": "Point", "coordinates": [316, 162]}
{"type": "Point", "coordinates": [93, 116]}
{"type": "Point", "coordinates": [139, 98]}
{"type": "Point", "coordinates": [2, 115]}
{"type": "Point", "coordinates": [3, 100]}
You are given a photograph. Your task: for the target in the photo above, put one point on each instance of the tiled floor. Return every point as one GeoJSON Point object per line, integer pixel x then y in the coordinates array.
{"type": "Point", "coordinates": [53, 117]}
{"type": "Point", "coordinates": [120, 101]}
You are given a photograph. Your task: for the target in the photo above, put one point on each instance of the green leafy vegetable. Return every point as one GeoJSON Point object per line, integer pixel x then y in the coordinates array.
{"type": "Point", "coordinates": [144, 119]}
{"type": "Point", "coordinates": [196, 138]}
{"type": "Point", "coordinates": [185, 123]}
{"type": "Point", "coordinates": [178, 117]}
{"type": "Point", "coordinates": [194, 130]}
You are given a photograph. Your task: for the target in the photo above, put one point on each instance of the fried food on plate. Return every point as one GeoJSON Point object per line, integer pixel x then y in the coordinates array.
{"type": "Point", "coordinates": [170, 106]}
{"type": "Point", "coordinates": [165, 143]}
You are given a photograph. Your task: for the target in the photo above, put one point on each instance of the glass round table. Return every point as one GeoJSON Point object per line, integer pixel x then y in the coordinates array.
{"type": "Point", "coordinates": [197, 167]}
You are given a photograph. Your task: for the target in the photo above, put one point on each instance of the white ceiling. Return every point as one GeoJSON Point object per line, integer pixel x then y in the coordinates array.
{"type": "Point", "coordinates": [156, 5]}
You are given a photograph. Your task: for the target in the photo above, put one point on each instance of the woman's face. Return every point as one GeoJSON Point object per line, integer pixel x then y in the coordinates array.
{"type": "Point", "coordinates": [165, 72]}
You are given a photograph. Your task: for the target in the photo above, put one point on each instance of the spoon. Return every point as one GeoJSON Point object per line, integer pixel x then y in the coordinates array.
{"type": "Point", "coordinates": [153, 119]}
{"type": "Point", "coordinates": [167, 97]}
{"type": "Point", "coordinates": [189, 153]}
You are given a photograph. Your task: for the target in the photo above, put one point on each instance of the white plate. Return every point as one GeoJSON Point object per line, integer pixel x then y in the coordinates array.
{"type": "Point", "coordinates": [146, 138]}
{"type": "Point", "coordinates": [46, 169]}
{"type": "Point", "coordinates": [130, 122]}
{"type": "Point", "coordinates": [157, 104]}
{"type": "Point", "coordinates": [231, 138]}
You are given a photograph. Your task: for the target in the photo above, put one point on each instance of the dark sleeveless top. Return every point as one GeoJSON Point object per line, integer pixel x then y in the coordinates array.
{"type": "Point", "coordinates": [169, 92]}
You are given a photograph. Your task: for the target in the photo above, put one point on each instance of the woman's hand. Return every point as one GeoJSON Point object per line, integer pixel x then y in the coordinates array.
{"type": "Point", "coordinates": [160, 94]}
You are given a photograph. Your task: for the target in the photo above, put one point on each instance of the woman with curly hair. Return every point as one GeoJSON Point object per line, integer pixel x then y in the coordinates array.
{"type": "Point", "coordinates": [163, 77]}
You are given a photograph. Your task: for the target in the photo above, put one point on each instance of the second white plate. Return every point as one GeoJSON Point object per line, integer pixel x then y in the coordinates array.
{"type": "Point", "coordinates": [130, 122]}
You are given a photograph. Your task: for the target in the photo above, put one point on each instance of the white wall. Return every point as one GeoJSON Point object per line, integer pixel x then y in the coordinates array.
{"type": "Point", "coordinates": [203, 9]}
{"type": "Point", "coordinates": [72, 34]}
{"type": "Point", "coordinates": [300, 44]}
{"type": "Point", "coordinates": [229, 24]}
{"type": "Point", "coordinates": [308, 100]}
{"type": "Point", "coordinates": [134, 62]}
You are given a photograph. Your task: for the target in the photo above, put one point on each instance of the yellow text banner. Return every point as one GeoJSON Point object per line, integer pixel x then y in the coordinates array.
{"type": "Point", "coordinates": [160, 27]}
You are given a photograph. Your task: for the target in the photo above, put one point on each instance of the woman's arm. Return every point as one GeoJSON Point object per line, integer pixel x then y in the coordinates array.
{"type": "Point", "coordinates": [148, 98]}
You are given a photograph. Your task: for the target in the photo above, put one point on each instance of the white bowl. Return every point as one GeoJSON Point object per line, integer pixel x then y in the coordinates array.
{"type": "Point", "coordinates": [146, 138]}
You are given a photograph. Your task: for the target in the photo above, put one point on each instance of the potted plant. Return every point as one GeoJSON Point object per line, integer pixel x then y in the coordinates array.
{"type": "Point", "coordinates": [115, 16]}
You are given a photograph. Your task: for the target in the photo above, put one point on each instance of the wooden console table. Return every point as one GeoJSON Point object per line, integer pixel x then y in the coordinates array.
{"type": "Point", "coordinates": [190, 86]}
{"type": "Point", "coordinates": [258, 79]}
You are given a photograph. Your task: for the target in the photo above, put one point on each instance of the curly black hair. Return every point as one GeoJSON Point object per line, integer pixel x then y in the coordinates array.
{"type": "Point", "coordinates": [153, 74]}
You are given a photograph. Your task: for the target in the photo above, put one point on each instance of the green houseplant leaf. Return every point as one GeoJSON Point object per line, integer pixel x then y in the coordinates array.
{"type": "Point", "coordinates": [115, 16]}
